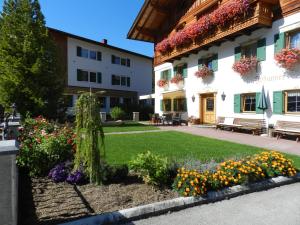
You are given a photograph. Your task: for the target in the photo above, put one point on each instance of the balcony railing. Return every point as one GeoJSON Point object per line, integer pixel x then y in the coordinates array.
{"type": "Point", "coordinates": [261, 16]}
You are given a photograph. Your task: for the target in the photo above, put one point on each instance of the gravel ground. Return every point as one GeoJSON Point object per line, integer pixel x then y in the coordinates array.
{"type": "Point", "coordinates": [46, 203]}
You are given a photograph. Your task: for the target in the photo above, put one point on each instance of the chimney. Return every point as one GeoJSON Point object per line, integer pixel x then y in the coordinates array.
{"type": "Point", "coordinates": [104, 41]}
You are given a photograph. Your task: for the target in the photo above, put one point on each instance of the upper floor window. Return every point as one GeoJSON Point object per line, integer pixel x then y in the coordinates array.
{"type": "Point", "coordinates": [85, 53]}
{"type": "Point", "coordinates": [211, 62]}
{"type": "Point", "coordinates": [120, 61]}
{"type": "Point", "coordinates": [120, 80]}
{"type": "Point", "coordinates": [93, 77]}
{"type": "Point", "coordinates": [249, 50]}
{"type": "Point", "coordinates": [82, 52]}
{"type": "Point", "coordinates": [166, 74]}
{"type": "Point", "coordinates": [99, 78]}
{"type": "Point", "coordinates": [93, 55]}
{"type": "Point", "coordinates": [293, 101]}
{"type": "Point", "coordinates": [294, 39]}
{"type": "Point", "coordinates": [89, 76]}
{"type": "Point", "coordinates": [82, 75]}
{"type": "Point", "coordinates": [249, 102]}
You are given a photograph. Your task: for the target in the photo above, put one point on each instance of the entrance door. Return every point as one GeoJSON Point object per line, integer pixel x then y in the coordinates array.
{"type": "Point", "coordinates": [208, 106]}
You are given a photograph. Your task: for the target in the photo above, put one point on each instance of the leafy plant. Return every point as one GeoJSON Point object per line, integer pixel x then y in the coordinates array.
{"type": "Point", "coordinates": [114, 173]}
{"type": "Point", "coordinates": [90, 137]}
{"type": "Point", "coordinates": [152, 168]}
{"type": "Point", "coordinates": [117, 113]}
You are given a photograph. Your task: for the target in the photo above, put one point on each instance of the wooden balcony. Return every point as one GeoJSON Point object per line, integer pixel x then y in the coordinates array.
{"type": "Point", "coordinates": [261, 16]}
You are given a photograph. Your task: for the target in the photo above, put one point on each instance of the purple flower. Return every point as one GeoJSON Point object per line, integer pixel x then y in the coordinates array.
{"type": "Point", "coordinates": [59, 173]}
{"type": "Point", "coordinates": [76, 178]}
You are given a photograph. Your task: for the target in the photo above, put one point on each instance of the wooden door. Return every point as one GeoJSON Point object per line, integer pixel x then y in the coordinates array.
{"type": "Point", "coordinates": [208, 106]}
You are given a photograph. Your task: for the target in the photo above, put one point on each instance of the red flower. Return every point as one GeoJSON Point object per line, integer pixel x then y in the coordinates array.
{"type": "Point", "coordinates": [245, 65]}
{"type": "Point", "coordinates": [288, 58]}
{"type": "Point", "coordinates": [176, 79]}
{"type": "Point", "coordinates": [203, 72]}
{"type": "Point", "coordinates": [162, 83]}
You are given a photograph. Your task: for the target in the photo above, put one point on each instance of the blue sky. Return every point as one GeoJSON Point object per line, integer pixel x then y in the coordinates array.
{"type": "Point", "coordinates": [96, 19]}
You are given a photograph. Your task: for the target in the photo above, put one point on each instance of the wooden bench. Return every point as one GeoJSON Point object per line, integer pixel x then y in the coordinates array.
{"type": "Point", "coordinates": [287, 128]}
{"type": "Point", "coordinates": [226, 122]}
{"type": "Point", "coordinates": [255, 126]}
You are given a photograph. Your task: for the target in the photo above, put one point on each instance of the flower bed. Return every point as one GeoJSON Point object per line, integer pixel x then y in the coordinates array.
{"type": "Point", "coordinates": [162, 83]}
{"type": "Point", "coordinates": [177, 79]}
{"type": "Point", "coordinates": [205, 24]}
{"type": "Point", "coordinates": [203, 72]}
{"type": "Point", "coordinates": [245, 65]}
{"type": "Point", "coordinates": [230, 173]}
{"type": "Point", "coordinates": [288, 58]}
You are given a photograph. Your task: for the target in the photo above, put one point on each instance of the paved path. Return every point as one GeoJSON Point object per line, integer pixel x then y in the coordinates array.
{"type": "Point", "coordinates": [278, 206]}
{"type": "Point", "coordinates": [282, 145]}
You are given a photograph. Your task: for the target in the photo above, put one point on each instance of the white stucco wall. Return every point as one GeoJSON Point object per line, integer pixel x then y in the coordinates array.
{"type": "Point", "coordinates": [226, 80]}
{"type": "Point", "coordinates": [140, 70]}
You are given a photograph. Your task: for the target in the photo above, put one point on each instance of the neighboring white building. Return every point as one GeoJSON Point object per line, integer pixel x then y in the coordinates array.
{"type": "Point", "coordinates": [226, 93]}
{"type": "Point", "coordinates": [90, 65]}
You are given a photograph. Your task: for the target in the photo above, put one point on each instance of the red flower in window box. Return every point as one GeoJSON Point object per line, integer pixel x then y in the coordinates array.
{"type": "Point", "coordinates": [162, 83]}
{"type": "Point", "coordinates": [245, 65]}
{"type": "Point", "coordinates": [203, 72]}
{"type": "Point", "coordinates": [164, 46]}
{"type": "Point", "coordinates": [288, 58]}
{"type": "Point", "coordinates": [180, 39]}
{"type": "Point", "coordinates": [177, 79]}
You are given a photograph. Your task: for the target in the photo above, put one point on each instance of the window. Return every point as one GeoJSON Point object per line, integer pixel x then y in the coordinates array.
{"type": "Point", "coordinates": [123, 81]}
{"type": "Point", "coordinates": [249, 50]}
{"type": "Point", "coordinates": [249, 102]}
{"type": "Point", "coordinates": [93, 55]}
{"type": "Point", "coordinates": [167, 105]}
{"type": "Point", "coordinates": [166, 74]}
{"type": "Point", "coordinates": [68, 101]}
{"type": "Point", "coordinates": [99, 78]}
{"type": "Point", "coordinates": [128, 81]}
{"type": "Point", "coordinates": [114, 101]}
{"type": "Point", "coordinates": [128, 63]}
{"type": "Point", "coordinates": [102, 101]}
{"type": "Point", "coordinates": [210, 62]}
{"type": "Point", "coordinates": [115, 59]}
{"type": "Point", "coordinates": [93, 77]}
{"type": "Point", "coordinates": [115, 80]}
{"type": "Point", "coordinates": [293, 102]}
{"type": "Point", "coordinates": [82, 52]}
{"type": "Point", "coordinates": [123, 62]}
{"type": "Point", "coordinates": [82, 75]}
{"type": "Point", "coordinates": [179, 105]}
{"type": "Point", "coordinates": [99, 56]}
{"type": "Point", "coordinates": [293, 39]}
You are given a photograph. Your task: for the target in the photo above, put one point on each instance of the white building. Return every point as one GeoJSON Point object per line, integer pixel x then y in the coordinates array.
{"type": "Point", "coordinates": [274, 25]}
{"type": "Point", "coordinates": [118, 75]}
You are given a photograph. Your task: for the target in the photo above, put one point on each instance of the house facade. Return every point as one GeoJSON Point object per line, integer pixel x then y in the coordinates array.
{"type": "Point", "coordinates": [118, 76]}
{"type": "Point", "coordinates": [212, 57]}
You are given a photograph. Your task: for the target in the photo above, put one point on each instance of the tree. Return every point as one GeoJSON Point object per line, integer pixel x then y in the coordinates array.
{"type": "Point", "coordinates": [30, 75]}
{"type": "Point", "coordinates": [90, 136]}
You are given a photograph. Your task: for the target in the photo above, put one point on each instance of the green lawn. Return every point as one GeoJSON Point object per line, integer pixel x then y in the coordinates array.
{"type": "Point", "coordinates": [122, 148]}
{"type": "Point", "coordinates": [128, 126]}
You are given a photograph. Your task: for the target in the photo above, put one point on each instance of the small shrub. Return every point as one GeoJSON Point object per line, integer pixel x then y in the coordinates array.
{"type": "Point", "coordinates": [152, 168]}
{"type": "Point", "coordinates": [114, 173]}
{"type": "Point", "coordinates": [117, 113]}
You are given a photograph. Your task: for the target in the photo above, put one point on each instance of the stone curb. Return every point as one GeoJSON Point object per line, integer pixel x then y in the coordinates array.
{"type": "Point", "coordinates": [176, 204]}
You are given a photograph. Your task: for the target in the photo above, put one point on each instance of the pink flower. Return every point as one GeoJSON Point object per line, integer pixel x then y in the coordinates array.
{"type": "Point", "coordinates": [245, 65]}
{"type": "Point", "coordinates": [162, 83]}
{"type": "Point", "coordinates": [177, 79]}
{"type": "Point", "coordinates": [203, 72]}
{"type": "Point", "coordinates": [288, 58]}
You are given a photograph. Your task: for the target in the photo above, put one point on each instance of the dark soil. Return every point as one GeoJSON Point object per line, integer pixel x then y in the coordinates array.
{"type": "Point", "coordinates": [43, 202]}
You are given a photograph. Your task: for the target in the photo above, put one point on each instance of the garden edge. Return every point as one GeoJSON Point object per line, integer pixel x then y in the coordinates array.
{"type": "Point", "coordinates": [158, 208]}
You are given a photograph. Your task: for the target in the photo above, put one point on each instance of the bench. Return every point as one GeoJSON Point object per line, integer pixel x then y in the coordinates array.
{"type": "Point", "coordinates": [226, 122]}
{"type": "Point", "coordinates": [255, 126]}
{"type": "Point", "coordinates": [287, 128]}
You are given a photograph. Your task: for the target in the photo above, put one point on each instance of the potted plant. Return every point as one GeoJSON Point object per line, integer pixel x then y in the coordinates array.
{"type": "Point", "coordinates": [162, 83]}
{"type": "Point", "coordinates": [245, 65]}
{"type": "Point", "coordinates": [203, 72]}
{"type": "Point", "coordinates": [288, 58]}
{"type": "Point", "coordinates": [177, 79]}
{"type": "Point", "coordinates": [164, 46]}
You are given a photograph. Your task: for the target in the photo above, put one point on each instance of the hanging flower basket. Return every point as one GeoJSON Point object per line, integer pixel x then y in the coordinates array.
{"type": "Point", "coordinates": [162, 83]}
{"type": "Point", "coordinates": [203, 72]}
{"type": "Point", "coordinates": [288, 58]}
{"type": "Point", "coordinates": [220, 17]}
{"type": "Point", "coordinates": [178, 78]}
{"type": "Point", "coordinates": [245, 65]}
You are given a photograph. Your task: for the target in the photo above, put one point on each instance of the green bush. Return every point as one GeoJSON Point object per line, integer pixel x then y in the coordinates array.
{"type": "Point", "coordinates": [114, 173]}
{"type": "Point", "coordinates": [117, 113]}
{"type": "Point", "coordinates": [43, 145]}
{"type": "Point", "coordinates": [152, 168]}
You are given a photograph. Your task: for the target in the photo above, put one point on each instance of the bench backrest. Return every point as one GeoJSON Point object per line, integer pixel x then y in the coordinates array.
{"type": "Point", "coordinates": [221, 119]}
{"type": "Point", "coordinates": [255, 123]}
{"type": "Point", "coordinates": [287, 125]}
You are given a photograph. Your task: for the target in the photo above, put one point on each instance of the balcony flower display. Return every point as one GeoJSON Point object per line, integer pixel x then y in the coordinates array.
{"type": "Point", "coordinates": [162, 83]}
{"type": "Point", "coordinates": [245, 65]}
{"type": "Point", "coordinates": [177, 79]}
{"type": "Point", "coordinates": [288, 58]}
{"type": "Point", "coordinates": [203, 72]}
{"type": "Point", "coordinates": [205, 24]}
{"type": "Point", "coordinates": [164, 46]}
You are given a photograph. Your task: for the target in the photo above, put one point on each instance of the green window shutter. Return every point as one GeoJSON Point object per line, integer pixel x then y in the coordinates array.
{"type": "Point", "coordinates": [237, 53]}
{"type": "Point", "coordinates": [161, 75]}
{"type": "Point", "coordinates": [258, 111]}
{"type": "Point", "coordinates": [184, 71]}
{"type": "Point", "coordinates": [261, 49]}
{"type": "Point", "coordinates": [175, 70]}
{"type": "Point", "coordinates": [215, 63]}
{"type": "Point", "coordinates": [200, 63]}
{"type": "Point", "coordinates": [279, 42]}
{"type": "Point", "coordinates": [161, 105]}
{"type": "Point", "coordinates": [237, 103]}
{"type": "Point", "coordinates": [185, 105]}
{"type": "Point", "coordinates": [278, 102]}
{"type": "Point", "coordinates": [175, 108]}
{"type": "Point", "coordinates": [169, 74]}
